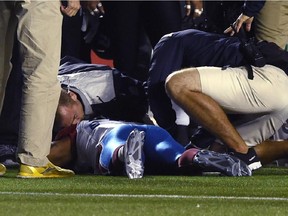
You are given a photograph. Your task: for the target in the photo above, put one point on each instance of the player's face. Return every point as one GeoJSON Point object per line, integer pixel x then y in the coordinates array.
{"type": "Point", "coordinates": [72, 114]}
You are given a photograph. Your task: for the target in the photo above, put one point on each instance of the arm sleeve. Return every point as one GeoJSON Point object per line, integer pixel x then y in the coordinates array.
{"type": "Point", "coordinates": [251, 8]}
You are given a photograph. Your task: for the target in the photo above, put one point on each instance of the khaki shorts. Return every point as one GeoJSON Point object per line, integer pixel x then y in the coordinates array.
{"type": "Point", "coordinates": [262, 102]}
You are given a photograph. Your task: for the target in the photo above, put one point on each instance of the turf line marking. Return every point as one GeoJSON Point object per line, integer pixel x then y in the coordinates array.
{"type": "Point", "coordinates": [144, 196]}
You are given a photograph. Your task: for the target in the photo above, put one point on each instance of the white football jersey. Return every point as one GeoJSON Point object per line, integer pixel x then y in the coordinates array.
{"type": "Point", "coordinates": [89, 136]}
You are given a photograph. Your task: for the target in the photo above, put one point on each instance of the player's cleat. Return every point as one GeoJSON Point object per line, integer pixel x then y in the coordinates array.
{"type": "Point", "coordinates": [251, 158]}
{"type": "Point", "coordinates": [133, 152]}
{"type": "Point", "coordinates": [217, 162]}
{"type": "Point", "coordinates": [48, 171]}
{"type": "Point", "coordinates": [2, 169]}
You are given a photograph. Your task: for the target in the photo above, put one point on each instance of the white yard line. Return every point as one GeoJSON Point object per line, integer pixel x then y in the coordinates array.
{"type": "Point", "coordinates": [142, 196]}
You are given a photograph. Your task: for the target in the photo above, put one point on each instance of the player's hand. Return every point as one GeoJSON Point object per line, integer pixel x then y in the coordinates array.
{"type": "Point", "coordinates": [72, 7]}
{"type": "Point", "coordinates": [242, 19]}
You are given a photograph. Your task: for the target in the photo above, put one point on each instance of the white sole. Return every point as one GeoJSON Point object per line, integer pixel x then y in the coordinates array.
{"type": "Point", "coordinates": [133, 152]}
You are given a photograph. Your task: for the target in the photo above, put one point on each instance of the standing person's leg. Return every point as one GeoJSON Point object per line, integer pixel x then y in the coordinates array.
{"type": "Point", "coordinates": [271, 24]}
{"type": "Point", "coordinates": [39, 35]}
{"type": "Point", "coordinates": [10, 115]}
{"type": "Point", "coordinates": [124, 29]}
{"type": "Point", "coordinates": [8, 23]}
{"type": "Point", "coordinates": [164, 17]}
{"type": "Point", "coordinates": [40, 50]}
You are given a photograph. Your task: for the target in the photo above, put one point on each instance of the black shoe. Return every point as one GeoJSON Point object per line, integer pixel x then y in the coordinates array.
{"type": "Point", "coordinates": [251, 158]}
{"type": "Point", "coordinates": [8, 155]}
{"type": "Point", "coordinates": [226, 164]}
{"type": "Point", "coordinates": [201, 138]}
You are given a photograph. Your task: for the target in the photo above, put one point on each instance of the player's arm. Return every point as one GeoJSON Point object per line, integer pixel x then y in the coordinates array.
{"type": "Point", "coordinates": [63, 150]}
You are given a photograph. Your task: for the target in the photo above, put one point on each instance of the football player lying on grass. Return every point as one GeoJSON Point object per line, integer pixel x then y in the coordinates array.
{"type": "Point", "coordinates": [106, 147]}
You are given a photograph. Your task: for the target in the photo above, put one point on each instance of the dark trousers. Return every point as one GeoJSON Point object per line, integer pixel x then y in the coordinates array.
{"type": "Point", "coordinates": [129, 22]}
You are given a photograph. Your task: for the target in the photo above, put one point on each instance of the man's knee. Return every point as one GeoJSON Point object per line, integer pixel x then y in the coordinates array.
{"type": "Point", "coordinates": [181, 81]}
{"type": "Point", "coordinates": [173, 84]}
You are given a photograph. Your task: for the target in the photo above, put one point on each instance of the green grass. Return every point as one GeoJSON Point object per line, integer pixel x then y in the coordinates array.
{"type": "Point", "coordinates": [265, 193]}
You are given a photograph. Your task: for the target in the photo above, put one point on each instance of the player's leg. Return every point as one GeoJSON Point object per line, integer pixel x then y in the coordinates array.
{"type": "Point", "coordinates": [119, 147]}
{"type": "Point", "coordinates": [161, 149]}
{"type": "Point", "coordinates": [210, 161]}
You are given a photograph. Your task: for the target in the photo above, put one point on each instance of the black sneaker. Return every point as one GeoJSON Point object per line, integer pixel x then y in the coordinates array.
{"type": "Point", "coordinates": [226, 164]}
{"type": "Point", "coordinates": [8, 155]}
{"type": "Point", "coordinates": [251, 158]}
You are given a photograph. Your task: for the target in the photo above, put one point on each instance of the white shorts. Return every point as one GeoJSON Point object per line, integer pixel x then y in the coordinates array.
{"type": "Point", "coordinates": [263, 101]}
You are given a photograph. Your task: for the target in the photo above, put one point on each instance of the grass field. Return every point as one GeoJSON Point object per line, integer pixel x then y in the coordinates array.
{"type": "Point", "coordinates": [265, 193]}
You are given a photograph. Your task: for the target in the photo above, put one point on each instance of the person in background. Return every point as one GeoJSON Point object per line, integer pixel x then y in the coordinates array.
{"type": "Point", "coordinates": [269, 20]}
{"type": "Point", "coordinates": [79, 31]}
{"type": "Point", "coordinates": [139, 23]}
